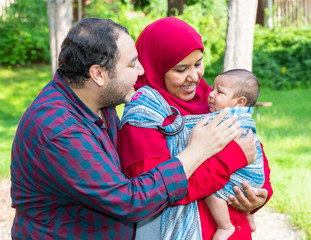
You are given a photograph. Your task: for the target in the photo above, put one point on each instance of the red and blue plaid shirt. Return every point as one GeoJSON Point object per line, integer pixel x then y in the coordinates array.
{"type": "Point", "coordinates": [66, 179]}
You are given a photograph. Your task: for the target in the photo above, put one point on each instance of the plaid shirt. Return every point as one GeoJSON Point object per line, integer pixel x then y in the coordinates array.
{"type": "Point", "coordinates": [66, 179]}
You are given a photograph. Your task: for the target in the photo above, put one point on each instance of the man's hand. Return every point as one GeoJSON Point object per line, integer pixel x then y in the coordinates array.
{"type": "Point", "coordinates": [212, 138]}
{"type": "Point", "coordinates": [208, 139]}
{"type": "Point", "coordinates": [254, 198]}
{"type": "Point", "coordinates": [248, 146]}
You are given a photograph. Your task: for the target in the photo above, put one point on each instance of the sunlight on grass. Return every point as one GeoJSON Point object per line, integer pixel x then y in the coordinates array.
{"type": "Point", "coordinates": [19, 87]}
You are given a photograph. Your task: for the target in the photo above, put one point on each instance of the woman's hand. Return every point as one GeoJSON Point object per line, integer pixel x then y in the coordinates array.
{"type": "Point", "coordinates": [254, 198]}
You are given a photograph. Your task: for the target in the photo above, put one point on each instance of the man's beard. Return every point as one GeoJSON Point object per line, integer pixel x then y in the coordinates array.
{"type": "Point", "coordinates": [112, 95]}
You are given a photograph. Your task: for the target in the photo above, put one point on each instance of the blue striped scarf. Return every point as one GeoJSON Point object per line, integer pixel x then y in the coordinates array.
{"type": "Point", "coordinates": [183, 221]}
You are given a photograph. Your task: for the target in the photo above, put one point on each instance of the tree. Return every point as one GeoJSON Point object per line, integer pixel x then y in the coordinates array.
{"type": "Point", "coordinates": [60, 21]}
{"type": "Point", "coordinates": [240, 34]}
{"type": "Point", "coordinates": [78, 9]}
{"type": "Point", "coordinates": [175, 7]}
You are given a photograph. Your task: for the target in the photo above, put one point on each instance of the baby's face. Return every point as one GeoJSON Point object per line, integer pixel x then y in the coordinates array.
{"type": "Point", "coordinates": [222, 94]}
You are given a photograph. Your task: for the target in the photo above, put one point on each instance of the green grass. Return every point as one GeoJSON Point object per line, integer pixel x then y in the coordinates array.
{"type": "Point", "coordinates": [19, 87]}
{"type": "Point", "coordinates": [284, 129]}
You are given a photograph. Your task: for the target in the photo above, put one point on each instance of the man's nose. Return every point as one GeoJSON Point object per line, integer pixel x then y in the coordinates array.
{"type": "Point", "coordinates": [140, 69]}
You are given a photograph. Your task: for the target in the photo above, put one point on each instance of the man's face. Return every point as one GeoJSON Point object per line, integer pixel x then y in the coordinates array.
{"type": "Point", "coordinates": [127, 69]}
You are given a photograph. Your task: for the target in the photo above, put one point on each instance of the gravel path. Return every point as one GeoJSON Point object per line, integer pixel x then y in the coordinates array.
{"type": "Point", "coordinates": [270, 225]}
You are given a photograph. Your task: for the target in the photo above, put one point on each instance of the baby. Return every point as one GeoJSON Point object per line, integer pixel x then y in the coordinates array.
{"type": "Point", "coordinates": [239, 90]}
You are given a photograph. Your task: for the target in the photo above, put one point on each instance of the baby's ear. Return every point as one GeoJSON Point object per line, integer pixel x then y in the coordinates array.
{"type": "Point", "coordinates": [241, 101]}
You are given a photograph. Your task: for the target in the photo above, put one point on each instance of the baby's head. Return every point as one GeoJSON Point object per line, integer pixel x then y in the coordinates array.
{"type": "Point", "coordinates": [236, 87]}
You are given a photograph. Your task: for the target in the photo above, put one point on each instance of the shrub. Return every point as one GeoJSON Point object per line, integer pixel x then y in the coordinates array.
{"type": "Point", "coordinates": [281, 58]}
{"type": "Point", "coordinates": [24, 33]}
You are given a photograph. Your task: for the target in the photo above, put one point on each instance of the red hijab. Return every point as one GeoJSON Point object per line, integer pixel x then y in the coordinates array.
{"type": "Point", "coordinates": [163, 44]}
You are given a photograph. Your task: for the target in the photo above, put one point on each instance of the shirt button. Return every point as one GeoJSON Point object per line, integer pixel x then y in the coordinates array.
{"type": "Point", "coordinates": [239, 228]}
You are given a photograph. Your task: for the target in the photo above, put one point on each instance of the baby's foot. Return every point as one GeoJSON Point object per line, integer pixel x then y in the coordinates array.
{"type": "Point", "coordinates": [251, 222]}
{"type": "Point", "coordinates": [252, 226]}
{"type": "Point", "coordinates": [223, 233]}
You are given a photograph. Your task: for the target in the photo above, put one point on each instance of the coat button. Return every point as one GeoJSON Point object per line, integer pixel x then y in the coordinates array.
{"type": "Point", "coordinates": [239, 228]}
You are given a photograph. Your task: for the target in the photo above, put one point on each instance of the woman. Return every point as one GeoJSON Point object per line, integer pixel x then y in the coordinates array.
{"type": "Point", "coordinates": [171, 53]}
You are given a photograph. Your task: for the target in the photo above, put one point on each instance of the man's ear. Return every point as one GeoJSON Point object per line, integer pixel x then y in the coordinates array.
{"type": "Point", "coordinates": [99, 75]}
{"type": "Point", "coordinates": [241, 101]}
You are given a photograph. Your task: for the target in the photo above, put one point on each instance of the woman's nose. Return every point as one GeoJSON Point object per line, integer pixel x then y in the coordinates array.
{"type": "Point", "coordinates": [193, 75]}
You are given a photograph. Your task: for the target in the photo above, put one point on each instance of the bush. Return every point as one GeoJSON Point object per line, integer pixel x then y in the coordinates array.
{"type": "Point", "coordinates": [281, 58]}
{"type": "Point", "coordinates": [24, 33]}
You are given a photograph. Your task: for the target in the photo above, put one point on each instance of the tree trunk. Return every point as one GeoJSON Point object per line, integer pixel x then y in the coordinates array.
{"type": "Point", "coordinates": [240, 34]}
{"type": "Point", "coordinates": [60, 22]}
{"type": "Point", "coordinates": [175, 7]}
{"type": "Point", "coordinates": [260, 17]}
{"type": "Point", "coordinates": [78, 10]}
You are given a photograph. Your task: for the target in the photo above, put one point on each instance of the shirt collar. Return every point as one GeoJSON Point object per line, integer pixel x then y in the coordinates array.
{"type": "Point", "coordinates": [78, 104]}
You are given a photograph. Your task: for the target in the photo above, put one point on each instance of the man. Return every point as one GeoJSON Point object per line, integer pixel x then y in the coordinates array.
{"type": "Point", "coordinates": [65, 171]}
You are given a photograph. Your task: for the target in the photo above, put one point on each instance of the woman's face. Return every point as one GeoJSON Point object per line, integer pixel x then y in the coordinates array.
{"type": "Point", "coordinates": [181, 80]}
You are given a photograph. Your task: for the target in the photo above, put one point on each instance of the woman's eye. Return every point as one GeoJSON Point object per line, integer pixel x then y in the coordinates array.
{"type": "Point", "coordinates": [197, 64]}
{"type": "Point", "coordinates": [180, 70]}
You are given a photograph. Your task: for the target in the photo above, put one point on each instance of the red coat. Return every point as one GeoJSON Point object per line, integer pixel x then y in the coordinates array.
{"type": "Point", "coordinates": [211, 176]}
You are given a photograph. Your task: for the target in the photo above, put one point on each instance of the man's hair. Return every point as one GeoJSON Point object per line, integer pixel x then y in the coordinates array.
{"type": "Point", "coordinates": [247, 85]}
{"type": "Point", "coordinates": [91, 41]}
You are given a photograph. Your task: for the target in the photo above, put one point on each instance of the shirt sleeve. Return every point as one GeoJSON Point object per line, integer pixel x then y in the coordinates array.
{"type": "Point", "coordinates": [75, 166]}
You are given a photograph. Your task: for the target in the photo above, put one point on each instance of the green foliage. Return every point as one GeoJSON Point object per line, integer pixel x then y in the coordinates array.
{"type": "Point", "coordinates": [24, 33]}
{"type": "Point", "coordinates": [125, 14]}
{"type": "Point", "coordinates": [281, 58]}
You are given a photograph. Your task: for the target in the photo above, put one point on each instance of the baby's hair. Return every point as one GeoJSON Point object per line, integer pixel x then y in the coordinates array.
{"type": "Point", "coordinates": [247, 85]}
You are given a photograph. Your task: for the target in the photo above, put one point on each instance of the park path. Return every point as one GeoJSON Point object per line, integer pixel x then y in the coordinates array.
{"type": "Point", "coordinates": [270, 225]}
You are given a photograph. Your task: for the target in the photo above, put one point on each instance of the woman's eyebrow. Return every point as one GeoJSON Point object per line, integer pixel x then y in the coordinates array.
{"type": "Point", "coordinates": [181, 65]}
{"type": "Point", "coordinates": [185, 65]}
{"type": "Point", "coordinates": [200, 59]}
